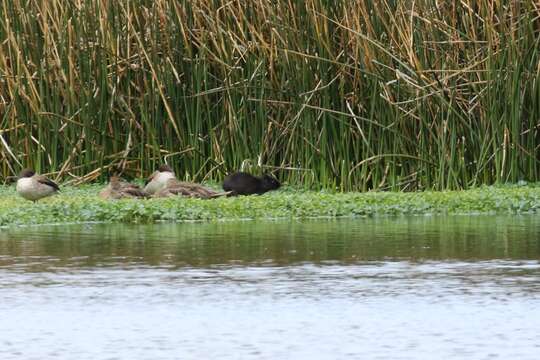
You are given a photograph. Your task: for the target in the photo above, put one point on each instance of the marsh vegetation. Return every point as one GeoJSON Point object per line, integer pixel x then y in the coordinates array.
{"type": "Point", "coordinates": [346, 94]}
{"type": "Point", "coordinates": [81, 204]}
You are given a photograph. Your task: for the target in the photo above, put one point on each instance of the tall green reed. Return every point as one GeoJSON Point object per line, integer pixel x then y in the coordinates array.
{"type": "Point", "coordinates": [340, 94]}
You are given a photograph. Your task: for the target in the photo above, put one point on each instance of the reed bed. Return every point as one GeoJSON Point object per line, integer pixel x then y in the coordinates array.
{"type": "Point", "coordinates": [342, 94]}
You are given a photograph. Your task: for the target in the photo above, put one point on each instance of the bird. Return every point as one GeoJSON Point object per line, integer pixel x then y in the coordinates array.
{"type": "Point", "coordinates": [158, 179]}
{"type": "Point", "coordinates": [241, 183]}
{"type": "Point", "coordinates": [173, 187]}
{"type": "Point", "coordinates": [34, 187]}
{"type": "Point", "coordinates": [120, 189]}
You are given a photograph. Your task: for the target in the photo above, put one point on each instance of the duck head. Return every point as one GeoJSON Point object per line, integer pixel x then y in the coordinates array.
{"type": "Point", "coordinates": [114, 181]}
{"type": "Point", "coordinates": [165, 168]}
{"type": "Point", "coordinates": [26, 173]}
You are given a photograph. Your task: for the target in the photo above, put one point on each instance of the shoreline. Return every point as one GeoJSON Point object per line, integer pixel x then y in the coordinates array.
{"type": "Point", "coordinates": [79, 205]}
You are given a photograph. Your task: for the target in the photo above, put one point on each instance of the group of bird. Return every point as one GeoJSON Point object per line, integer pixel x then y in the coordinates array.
{"type": "Point", "coordinates": [162, 183]}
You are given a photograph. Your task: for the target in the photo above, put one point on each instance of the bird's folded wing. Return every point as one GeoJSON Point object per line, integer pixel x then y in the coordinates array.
{"type": "Point", "coordinates": [45, 181]}
{"type": "Point", "coordinates": [135, 191]}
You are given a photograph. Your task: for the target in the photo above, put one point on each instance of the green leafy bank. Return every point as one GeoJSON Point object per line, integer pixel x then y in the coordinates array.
{"type": "Point", "coordinates": [81, 204]}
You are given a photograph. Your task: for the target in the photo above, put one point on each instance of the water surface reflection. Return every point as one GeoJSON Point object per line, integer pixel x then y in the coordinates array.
{"type": "Point", "coordinates": [458, 287]}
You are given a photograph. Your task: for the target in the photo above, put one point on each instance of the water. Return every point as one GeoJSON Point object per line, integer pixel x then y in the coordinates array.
{"type": "Point", "coordinates": [409, 288]}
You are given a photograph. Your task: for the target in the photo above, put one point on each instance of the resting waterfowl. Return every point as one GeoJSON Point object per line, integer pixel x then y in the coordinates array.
{"type": "Point", "coordinates": [241, 183]}
{"type": "Point", "coordinates": [34, 187]}
{"type": "Point", "coordinates": [120, 189]}
{"type": "Point", "coordinates": [173, 187]}
{"type": "Point", "coordinates": [158, 179]}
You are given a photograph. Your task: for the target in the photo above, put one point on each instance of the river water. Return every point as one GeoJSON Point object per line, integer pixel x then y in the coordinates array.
{"type": "Point", "coordinates": [407, 288]}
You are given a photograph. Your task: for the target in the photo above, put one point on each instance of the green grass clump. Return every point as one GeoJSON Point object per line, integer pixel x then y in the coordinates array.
{"type": "Point", "coordinates": [81, 204]}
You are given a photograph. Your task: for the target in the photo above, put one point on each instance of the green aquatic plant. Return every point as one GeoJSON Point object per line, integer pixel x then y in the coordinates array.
{"type": "Point", "coordinates": [81, 204]}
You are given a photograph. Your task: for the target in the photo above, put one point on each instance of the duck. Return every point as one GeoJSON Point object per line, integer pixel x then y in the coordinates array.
{"type": "Point", "coordinates": [159, 179]}
{"type": "Point", "coordinates": [242, 183]}
{"type": "Point", "coordinates": [120, 189]}
{"type": "Point", "coordinates": [174, 187]}
{"type": "Point", "coordinates": [33, 187]}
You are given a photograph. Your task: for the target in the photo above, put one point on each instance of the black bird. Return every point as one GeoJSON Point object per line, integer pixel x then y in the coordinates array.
{"type": "Point", "coordinates": [241, 183]}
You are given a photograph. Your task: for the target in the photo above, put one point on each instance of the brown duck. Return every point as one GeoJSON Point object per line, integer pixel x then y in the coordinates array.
{"type": "Point", "coordinates": [174, 187]}
{"type": "Point", "coordinates": [120, 189]}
